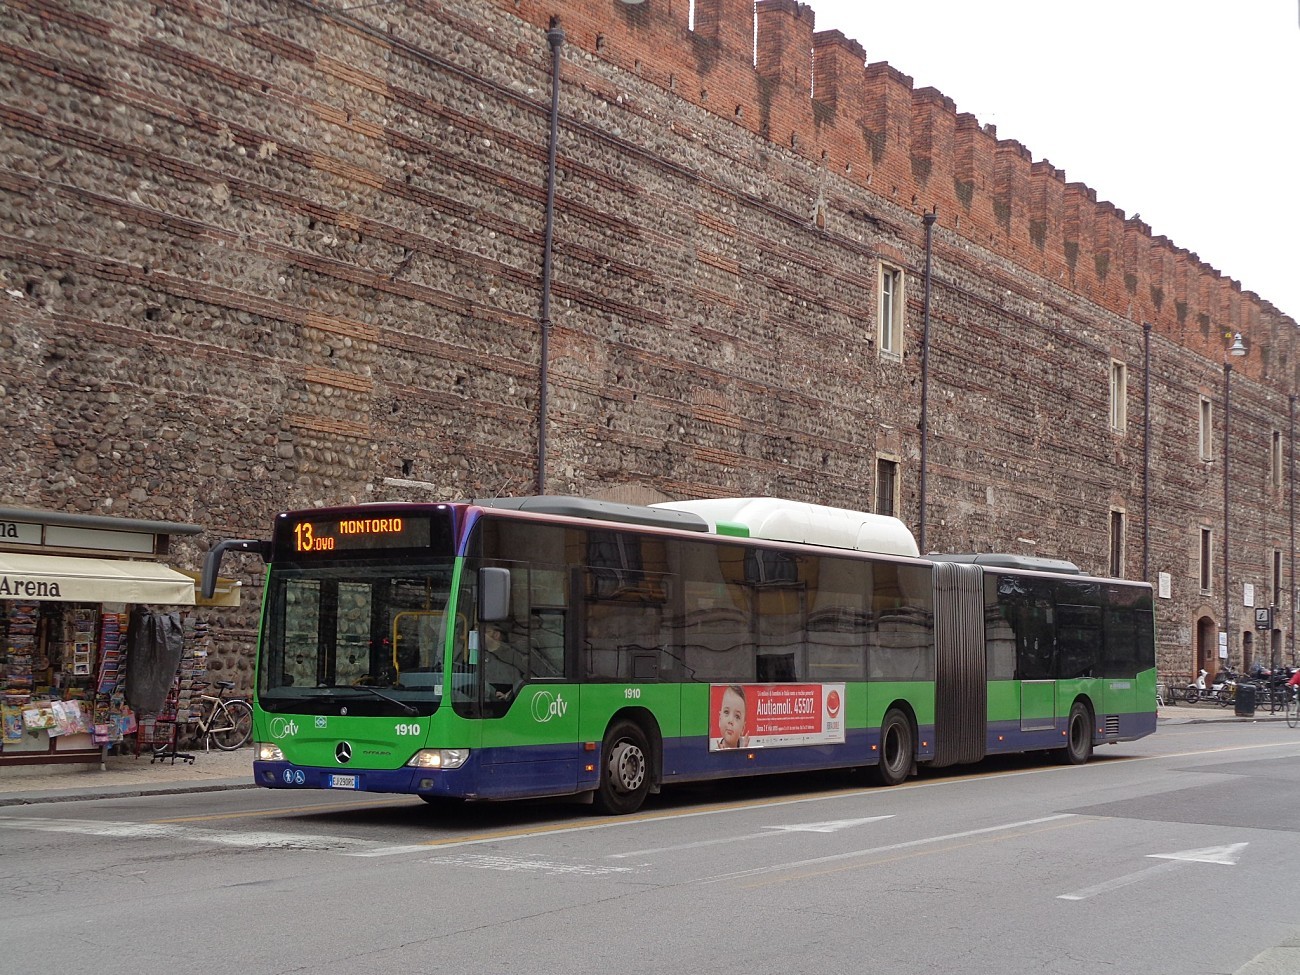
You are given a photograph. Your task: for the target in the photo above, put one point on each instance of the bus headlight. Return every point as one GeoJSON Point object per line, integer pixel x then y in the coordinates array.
{"type": "Point", "coordinates": [439, 758]}
{"type": "Point", "coordinates": [264, 752]}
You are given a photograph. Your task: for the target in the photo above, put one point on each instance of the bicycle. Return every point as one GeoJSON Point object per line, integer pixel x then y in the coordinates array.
{"type": "Point", "coordinates": [1293, 707]}
{"type": "Point", "coordinates": [226, 722]}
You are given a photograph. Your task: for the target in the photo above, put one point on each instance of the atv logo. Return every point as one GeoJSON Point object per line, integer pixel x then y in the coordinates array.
{"type": "Point", "coordinates": [547, 706]}
{"type": "Point", "coordinates": [283, 728]}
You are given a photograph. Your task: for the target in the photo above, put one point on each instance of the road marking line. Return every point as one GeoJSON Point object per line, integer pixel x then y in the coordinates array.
{"type": "Point", "coordinates": [1132, 878]}
{"type": "Point", "coordinates": [1223, 855]}
{"type": "Point", "coordinates": [769, 831]}
{"type": "Point", "coordinates": [1226, 855]}
{"type": "Point", "coordinates": [527, 865]}
{"type": "Point", "coordinates": [830, 826]}
{"type": "Point", "coordinates": [285, 811]}
{"type": "Point", "coordinates": [858, 854]}
{"type": "Point", "coordinates": [909, 854]}
{"type": "Point", "coordinates": [124, 830]}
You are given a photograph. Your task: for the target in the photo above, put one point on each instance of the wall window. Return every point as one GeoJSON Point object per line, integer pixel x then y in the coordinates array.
{"type": "Point", "coordinates": [886, 487]}
{"type": "Point", "coordinates": [1207, 429]}
{"type": "Point", "coordinates": [1118, 397]}
{"type": "Point", "coordinates": [1275, 459]}
{"type": "Point", "coordinates": [890, 317]}
{"type": "Point", "coordinates": [1277, 577]}
{"type": "Point", "coordinates": [1207, 555]}
{"type": "Point", "coordinates": [1117, 544]}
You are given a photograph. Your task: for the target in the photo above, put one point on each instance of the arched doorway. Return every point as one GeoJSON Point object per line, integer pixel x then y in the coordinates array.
{"type": "Point", "coordinates": [1207, 646]}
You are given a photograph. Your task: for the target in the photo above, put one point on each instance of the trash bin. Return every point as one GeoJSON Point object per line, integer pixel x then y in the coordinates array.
{"type": "Point", "coordinates": [1245, 700]}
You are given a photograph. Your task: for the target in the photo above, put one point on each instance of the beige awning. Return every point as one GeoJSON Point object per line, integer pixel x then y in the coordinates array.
{"type": "Point", "coordinates": [61, 579]}
{"type": "Point", "coordinates": [225, 594]}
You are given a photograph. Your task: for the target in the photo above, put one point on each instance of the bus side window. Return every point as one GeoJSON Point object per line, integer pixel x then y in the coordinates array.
{"type": "Point", "coordinates": [624, 633]}
{"type": "Point", "coordinates": [546, 636]}
{"type": "Point", "coordinates": [1078, 640]}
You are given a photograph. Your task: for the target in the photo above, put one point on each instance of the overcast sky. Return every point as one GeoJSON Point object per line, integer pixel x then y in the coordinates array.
{"type": "Point", "coordinates": [1186, 112]}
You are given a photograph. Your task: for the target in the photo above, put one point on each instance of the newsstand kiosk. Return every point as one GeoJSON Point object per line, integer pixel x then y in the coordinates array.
{"type": "Point", "coordinates": [68, 586]}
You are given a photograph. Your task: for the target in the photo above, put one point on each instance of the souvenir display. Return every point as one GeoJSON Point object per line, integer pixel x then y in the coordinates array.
{"type": "Point", "coordinates": [63, 674]}
{"type": "Point", "coordinates": [21, 621]}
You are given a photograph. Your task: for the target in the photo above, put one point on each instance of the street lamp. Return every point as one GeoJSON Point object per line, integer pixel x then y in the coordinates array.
{"type": "Point", "coordinates": [1237, 349]}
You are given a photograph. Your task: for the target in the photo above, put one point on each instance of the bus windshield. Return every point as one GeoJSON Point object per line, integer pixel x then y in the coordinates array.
{"type": "Point", "coordinates": [366, 636]}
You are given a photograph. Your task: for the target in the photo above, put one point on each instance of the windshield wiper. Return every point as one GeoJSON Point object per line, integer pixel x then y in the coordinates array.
{"type": "Point", "coordinates": [378, 693]}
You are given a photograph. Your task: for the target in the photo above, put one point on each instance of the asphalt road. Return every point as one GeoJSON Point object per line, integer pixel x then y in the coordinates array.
{"type": "Point", "coordinates": [1177, 854]}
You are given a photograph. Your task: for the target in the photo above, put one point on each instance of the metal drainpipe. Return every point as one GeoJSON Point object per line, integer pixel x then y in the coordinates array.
{"type": "Point", "coordinates": [555, 38]}
{"type": "Point", "coordinates": [1146, 451]}
{"type": "Point", "coordinates": [929, 220]}
{"type": "Point", "coordinates": [1227, 424]}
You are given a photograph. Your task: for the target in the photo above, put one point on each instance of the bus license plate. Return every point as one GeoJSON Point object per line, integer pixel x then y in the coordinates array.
{"type": "Point", "coordinates": [343, 782]}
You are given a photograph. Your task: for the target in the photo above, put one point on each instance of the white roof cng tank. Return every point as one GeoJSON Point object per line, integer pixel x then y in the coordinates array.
{"type": "Point", "coordinates": [778, 519]}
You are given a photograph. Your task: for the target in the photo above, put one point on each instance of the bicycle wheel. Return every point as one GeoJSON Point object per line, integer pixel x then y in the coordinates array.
{"type": "Point", "coordinates": [1293, 712]}
{"type": "Point", "coordinates": [232, 725]}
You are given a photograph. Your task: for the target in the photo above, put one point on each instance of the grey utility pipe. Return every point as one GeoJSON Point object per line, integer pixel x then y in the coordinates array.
{"type": "Point", "coordinates": [555, 38]}
{"type": "Point", "coordinates": [1227, 447]}
{"type": "Point", "coordinates": [1146, 452]}
{"type": "Point", "coordinates": [929, 219]}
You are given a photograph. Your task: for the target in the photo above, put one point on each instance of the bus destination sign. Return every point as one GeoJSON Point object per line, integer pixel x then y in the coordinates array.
{"type": "Point", "coordinates": [313, 536]}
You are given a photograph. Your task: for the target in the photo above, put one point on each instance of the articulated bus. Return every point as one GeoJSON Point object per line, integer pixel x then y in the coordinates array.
{"type": "Point", "coordinates": [551, 646]}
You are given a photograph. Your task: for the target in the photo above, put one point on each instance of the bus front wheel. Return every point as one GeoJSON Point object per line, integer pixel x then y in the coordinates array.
{"type": "Point", "coordinates": [1078, 735]}
{"type": "Point", "coordinates": [624, 769]}
{"type": "Point", "coordinates": [897, 748]}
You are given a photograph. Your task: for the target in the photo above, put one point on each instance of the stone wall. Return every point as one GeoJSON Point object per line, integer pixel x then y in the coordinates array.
{"type": "Point", "coordinates": [261, 256]}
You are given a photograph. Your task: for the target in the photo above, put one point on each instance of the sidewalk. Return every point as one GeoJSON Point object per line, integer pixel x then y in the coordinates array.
{"type": "Point", "coordinates": [1206, 713]}
{"type": "Point", "coordinates": [125, 776]}
{"type": "Point", "coordinates": [212, 771]}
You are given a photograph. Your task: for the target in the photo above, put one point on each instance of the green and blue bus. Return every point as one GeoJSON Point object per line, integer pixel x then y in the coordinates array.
{"type": "Point", "coordinates": [552, 646]}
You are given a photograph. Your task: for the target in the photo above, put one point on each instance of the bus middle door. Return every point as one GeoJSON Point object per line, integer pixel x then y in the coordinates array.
{"type": "Point", "coordinates": [1037, 671]}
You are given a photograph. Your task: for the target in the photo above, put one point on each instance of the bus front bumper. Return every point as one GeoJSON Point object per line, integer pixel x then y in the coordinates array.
{"type": "Point", "coordinates": [404, 780]}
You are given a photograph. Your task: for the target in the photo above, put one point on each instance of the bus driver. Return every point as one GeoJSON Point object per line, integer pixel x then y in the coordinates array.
{"type": "Point", "coordinates": [503, 665]}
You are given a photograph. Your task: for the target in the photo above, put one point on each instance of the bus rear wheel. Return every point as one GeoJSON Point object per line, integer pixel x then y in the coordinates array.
{"type": "Point", "coordinates": [897, 748]}
{"type": "Point", "coordinates": [624, 769]}
{"type": "Point", "coordinates": [1078, 735]}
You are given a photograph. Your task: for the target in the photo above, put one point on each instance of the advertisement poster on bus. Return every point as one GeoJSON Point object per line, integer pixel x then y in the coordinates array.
{"type": "Point", "coordinates": [775, 715]}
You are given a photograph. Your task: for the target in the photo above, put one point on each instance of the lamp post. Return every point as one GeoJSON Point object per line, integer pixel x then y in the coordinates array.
{"type": "Point", "coordinates": [1237, 349]}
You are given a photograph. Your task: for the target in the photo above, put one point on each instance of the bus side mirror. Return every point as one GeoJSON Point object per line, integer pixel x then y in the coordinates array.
{"type": "Point", "coordinates": [493, 594]}
{"type": "Point", "coordinates": [212, 561]}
